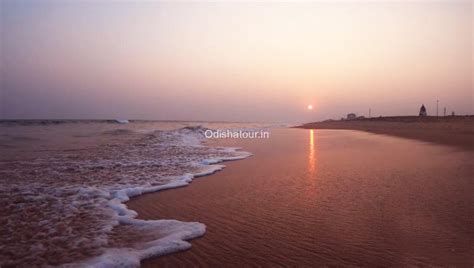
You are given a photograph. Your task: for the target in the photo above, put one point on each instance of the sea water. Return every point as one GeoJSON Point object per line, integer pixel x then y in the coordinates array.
{"type": "Point", "coordinates": [64, 183]}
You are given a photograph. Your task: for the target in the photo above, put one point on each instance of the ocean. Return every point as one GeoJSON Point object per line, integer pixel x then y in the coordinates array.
{"type": "Point", "coordinates": [327, 198]}
{"type": "Point", "coordinates": [64, 183]}
{"type": "Point", "coordinates": [303, 198]}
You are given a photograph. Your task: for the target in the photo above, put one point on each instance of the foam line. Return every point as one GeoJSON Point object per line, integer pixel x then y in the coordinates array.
{"type": "Point", "coordinates": [172, 233]}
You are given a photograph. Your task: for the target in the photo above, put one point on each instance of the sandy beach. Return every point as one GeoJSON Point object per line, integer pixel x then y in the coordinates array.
{"type": "Point", "coordinates": [63, 184]}
{"type": "Point", "coordinates": [326, 197]}
{"type": "Point", "coordinates": [185, 134]}
{"type": "Point", "coordinates": [457, 131]}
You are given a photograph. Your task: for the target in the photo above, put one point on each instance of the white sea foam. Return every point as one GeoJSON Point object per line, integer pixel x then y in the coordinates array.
{"type": "Point", "coordinates": [68, 208]}
{"type": "Point", "coordinates": [167, 236]}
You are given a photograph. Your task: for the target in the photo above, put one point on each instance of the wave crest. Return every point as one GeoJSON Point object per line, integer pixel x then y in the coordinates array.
{"type": "Point", "coordinates": [67, 207]}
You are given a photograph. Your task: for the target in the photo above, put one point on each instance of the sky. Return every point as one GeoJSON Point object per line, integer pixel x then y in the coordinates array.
{"type": "Point", "coordinates": [234, 61]}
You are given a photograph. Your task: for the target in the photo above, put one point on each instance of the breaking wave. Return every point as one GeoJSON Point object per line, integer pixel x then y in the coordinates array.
{"type": "Point", "coordinates": [68, 209]}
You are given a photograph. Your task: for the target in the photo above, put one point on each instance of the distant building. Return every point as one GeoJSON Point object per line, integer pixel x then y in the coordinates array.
{"type": "Point", "coordinates": [351, 116]}
{"type": "Point", "coordinates": [423, 110]}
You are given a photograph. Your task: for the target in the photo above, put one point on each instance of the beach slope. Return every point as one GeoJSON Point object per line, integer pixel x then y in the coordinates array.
{"type": "Point", "coordinates": [450, 130]}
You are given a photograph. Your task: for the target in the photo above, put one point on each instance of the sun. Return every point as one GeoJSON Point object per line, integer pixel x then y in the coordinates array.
{"type": "Point", "coordinates": [310, 107]}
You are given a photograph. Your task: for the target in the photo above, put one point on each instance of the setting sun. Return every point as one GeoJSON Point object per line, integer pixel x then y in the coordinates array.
{"type": "Point", "coordinates": [103, 101]}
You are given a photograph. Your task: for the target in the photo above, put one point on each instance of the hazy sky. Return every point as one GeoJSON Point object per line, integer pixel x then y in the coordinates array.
{"type": "Point", "coordinates": [243, 61]}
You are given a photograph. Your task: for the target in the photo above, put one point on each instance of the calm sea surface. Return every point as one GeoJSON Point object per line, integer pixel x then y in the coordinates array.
{"type": "Point", "coordinates": [328, 197]}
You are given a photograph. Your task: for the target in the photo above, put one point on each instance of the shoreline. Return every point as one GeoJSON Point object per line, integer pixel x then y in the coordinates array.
{"type": "Point", "coordinates": [239, 232]}
{"type": "Point", "coordinates": [455, 131]}
{"type": "Point", "coordinates": [108, 231]}
{"type": "Point", "coordinates": [174, 235]}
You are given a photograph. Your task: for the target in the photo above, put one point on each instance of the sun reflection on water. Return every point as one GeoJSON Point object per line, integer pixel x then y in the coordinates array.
{"type": "Point", "coordinates": [311, 157]}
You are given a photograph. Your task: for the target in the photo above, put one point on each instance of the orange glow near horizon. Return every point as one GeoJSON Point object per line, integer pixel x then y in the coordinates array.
{"type": "Point", "coordinates": [249, 61]}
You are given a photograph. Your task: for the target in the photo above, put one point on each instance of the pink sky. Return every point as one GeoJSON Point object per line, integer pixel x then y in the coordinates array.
{"type": "Point", "coordinates": [248, 61]}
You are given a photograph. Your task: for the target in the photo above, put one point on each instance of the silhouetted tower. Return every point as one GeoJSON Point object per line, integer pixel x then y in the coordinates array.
{"type": "Point", "coordinates": [422, 110]}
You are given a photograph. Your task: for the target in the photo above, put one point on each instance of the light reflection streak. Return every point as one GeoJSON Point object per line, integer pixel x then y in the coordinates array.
{"type": "Point", "coordinates": [311, 157]}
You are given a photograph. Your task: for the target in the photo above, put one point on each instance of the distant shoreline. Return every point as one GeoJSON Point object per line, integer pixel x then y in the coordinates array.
{"type": "Point", "coordinates": [448, 130]}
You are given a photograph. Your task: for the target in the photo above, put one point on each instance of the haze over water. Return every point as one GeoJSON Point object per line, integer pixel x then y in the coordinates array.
{"type": "Point", "coordinates": [234, 61]}
{"type": "Point", "coordinates": [306, 197]}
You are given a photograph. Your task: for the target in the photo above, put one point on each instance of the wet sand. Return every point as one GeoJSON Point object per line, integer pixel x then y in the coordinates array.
{"type": "Point", "coordinates": [326, 197]}
{"type": "Point", "coordinates": [448, 130]}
